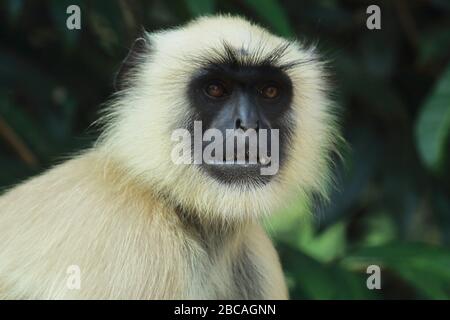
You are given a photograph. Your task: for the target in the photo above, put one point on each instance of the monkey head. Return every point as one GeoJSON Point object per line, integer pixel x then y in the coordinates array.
{"type": "Point", "coordinates": [231, 78]}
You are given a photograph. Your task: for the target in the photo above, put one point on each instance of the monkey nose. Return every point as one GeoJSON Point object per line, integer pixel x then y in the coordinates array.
{"type": "Point", "coordinates": [248, 124]}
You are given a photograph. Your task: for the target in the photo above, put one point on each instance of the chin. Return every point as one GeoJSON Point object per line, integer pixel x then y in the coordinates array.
{"type": "Point", "coordinates": [238, 174]}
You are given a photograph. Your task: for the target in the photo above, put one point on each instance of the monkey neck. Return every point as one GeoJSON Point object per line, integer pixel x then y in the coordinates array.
{"type": "Point", "coordinates": [211, 232]}
{"type": "Point", "coordinates": [212, 235]}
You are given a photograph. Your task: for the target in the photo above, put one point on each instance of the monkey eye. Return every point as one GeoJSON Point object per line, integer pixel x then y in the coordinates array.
{"type": "Point", "coordinates": [215, 89]}
{"type": "Point", "coordinates": [270, 91]}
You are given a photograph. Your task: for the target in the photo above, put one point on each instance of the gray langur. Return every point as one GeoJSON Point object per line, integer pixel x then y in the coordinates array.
{"type": "Point", "coordinates": [138, 226]}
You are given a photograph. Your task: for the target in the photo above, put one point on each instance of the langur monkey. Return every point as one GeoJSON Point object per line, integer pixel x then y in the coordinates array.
{"type": "Point", "coordinates": [129, 223]}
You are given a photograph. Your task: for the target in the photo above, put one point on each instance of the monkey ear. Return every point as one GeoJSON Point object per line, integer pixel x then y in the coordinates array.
{"type": "Point", "coordinates": [138, 48]}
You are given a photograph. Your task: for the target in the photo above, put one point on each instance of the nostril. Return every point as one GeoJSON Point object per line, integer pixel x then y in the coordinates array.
{"type": "Point", "coordinates": [244, 126]}
{"type": "Point", "coordinates": [238, 124]}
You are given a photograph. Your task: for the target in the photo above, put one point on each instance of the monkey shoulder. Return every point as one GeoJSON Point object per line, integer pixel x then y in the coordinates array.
{"type": "Point", "coordinates": [85, 213]}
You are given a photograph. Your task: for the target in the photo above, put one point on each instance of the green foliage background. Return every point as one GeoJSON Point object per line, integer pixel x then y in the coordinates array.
{"type": "Point", "coordinates": [391, 202]}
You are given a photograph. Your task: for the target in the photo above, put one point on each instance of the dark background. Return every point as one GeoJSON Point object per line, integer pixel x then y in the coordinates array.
{"type": "Point", "coordinates": [391, 202]}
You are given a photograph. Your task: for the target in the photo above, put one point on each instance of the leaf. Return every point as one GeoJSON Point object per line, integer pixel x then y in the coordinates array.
{"type": "Point", "coordinates": [273, 13]}
{"type": "Point", "coordinates": [44, 126]}
{"type": "Point", "coordinates": [425, 267]}
{"type": "Point", "coordinates": [352, 176]}
{"type": "Point", "coordinates": [430, 285]}
{"type": "Point", "coordinates": [106, 21]}
{"type": "Point", "coordinates": [433, 125]}
{"type": "Point", "coordinates": [315, 280]}
{"type": "Point", "coordinates": [25, 126]}
{"type": "Point", "coordinates": [434, 44]}
{"type": "Point", "coordinates": [441, 205]}
{"type": "Point", "coordinates": [327, 245]}
{"type": "Point", "coordinates": [295, 227]}
{"type": "Point", "coordinates": [380, 227]}
{"type": "Point", "coordinates": [200, 7]}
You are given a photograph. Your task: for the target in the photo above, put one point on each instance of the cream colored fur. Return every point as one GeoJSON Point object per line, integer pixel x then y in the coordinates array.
{"type": "Point", "coordinates": [111, 209]}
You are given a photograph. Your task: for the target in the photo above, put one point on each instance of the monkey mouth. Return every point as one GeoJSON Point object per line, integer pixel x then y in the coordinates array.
{"type": "Point", "coordinates": [256, 160]}
{"type": "Point", "coordinates": [241, 163]}
{"type": "Point", "coordinates": [239, 170]}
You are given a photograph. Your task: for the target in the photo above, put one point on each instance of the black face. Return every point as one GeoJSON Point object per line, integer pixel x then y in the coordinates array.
{"type": "Point", "coordinates": [242, 98]}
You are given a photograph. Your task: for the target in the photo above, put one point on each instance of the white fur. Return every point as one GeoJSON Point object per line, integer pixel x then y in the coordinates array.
{"type": "Point", "coordinates": [158, 101]}
{"type": "Point", "coordinates": [106, 210]}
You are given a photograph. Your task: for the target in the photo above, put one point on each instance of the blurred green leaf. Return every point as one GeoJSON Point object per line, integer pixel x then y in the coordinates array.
{"type": "Point", "coordinates": [433, 124]}
{"type": "Point", "coordinates": [372, 89]}
{"type": "Point", "coordinates": [434, 44]}
{"type": "Point", "coordinates": [380, 228]}
{"type": "Point", "coordinates": [441, 205]}
{"type": "Point", "coordinates": [430, 285]}
{"type": "Point", "coordinates": [24, 126]}
{"type": "Point", "coordinates": [314, 280]}
{"type": "Point", "coordinates": [331, 15]}
{"type": "Point", "coordinates": [425, 267]}
{"type": "Point", "coordinates": [351, 176]}
{"type": "Point", "coordinates": [43, 126]}
{"type": "Point", "coordinates": [327, 245]}
{"type": "Point", "coordinates": [273, 13]}
{"type": "Point", "coordinates": [296, 227]}
{"type": "Point", "coordinates": [200, 7]}
{"type": "Point", "coordinates": [286, 222]}
{"type": "Point", "coordinates": [106, 20]}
